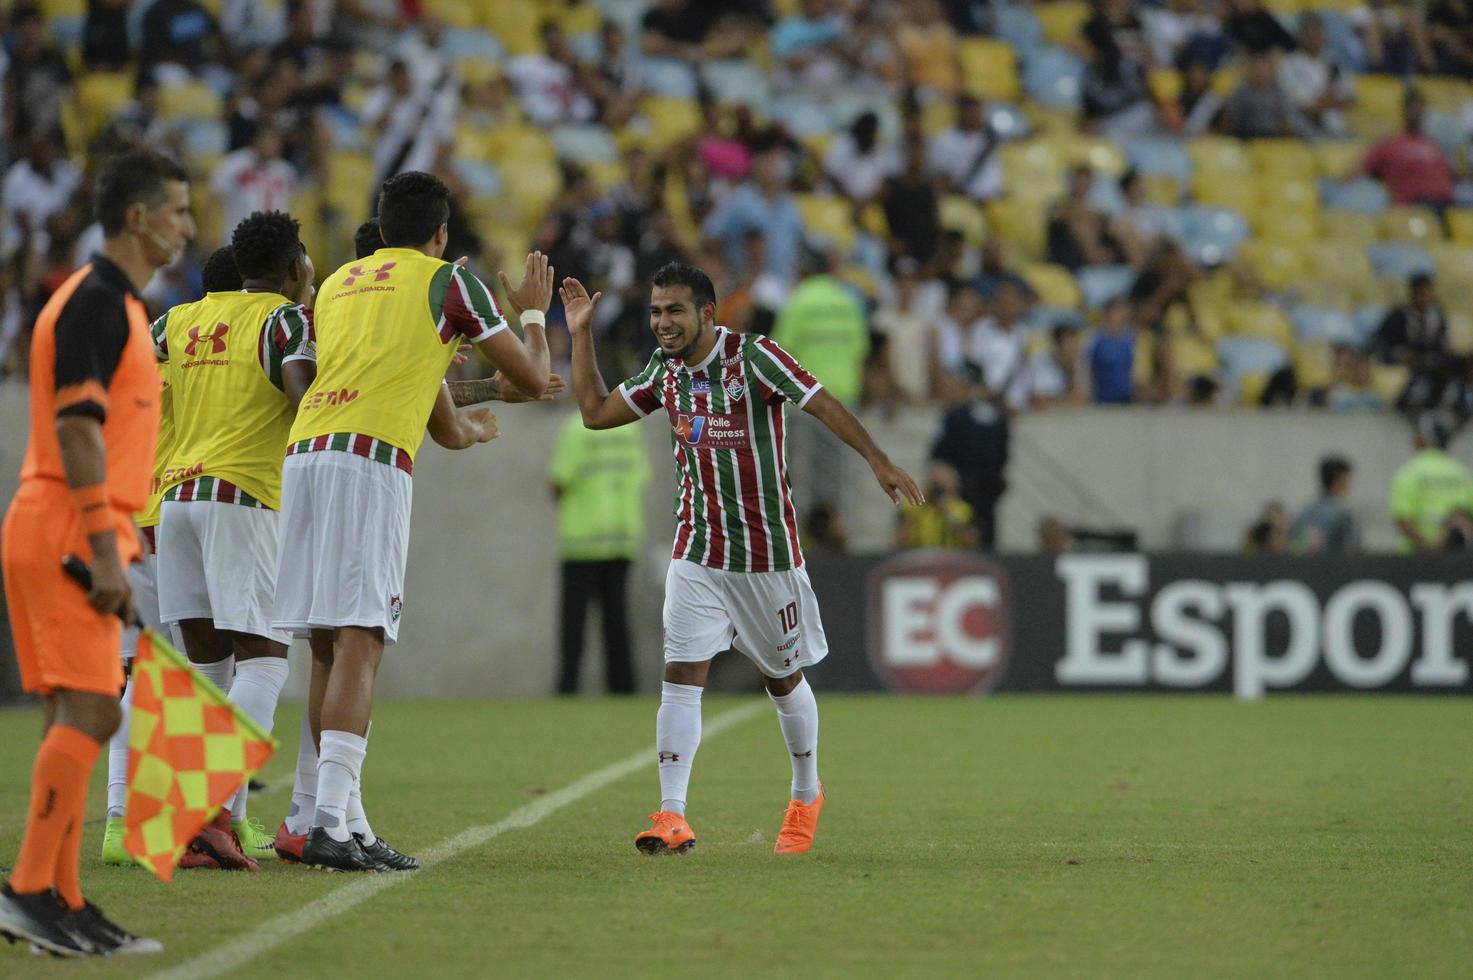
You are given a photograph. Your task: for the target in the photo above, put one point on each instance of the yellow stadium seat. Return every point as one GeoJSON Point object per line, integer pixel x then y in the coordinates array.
{"type": "Point", "coordinates": [936, 116]}
{"type": "Point", "coordinates": [579, 18]}
{"type": "Point", "coordinates": [519, 143]}
{"type": "Point", "coordinates": [961, 213]}
{"type": "Point", "coordinates": [1062, 19]}
{"type": "Point", "coordinates": [1408, 223]}
{"type": "Point", "coordinates": [1380, 95]}
{"type": "Point", "coordinates": [1288, 8]}
{"type": "Point", "coordinates": [989, 68]}
{"type": "Point", "coordinates": [530, 189]}
{"type": "Point", "coordinates": [1225, 81]}
{"type": "Point", "coordinates": [516, 25]}
{"type": "Point", "coordinates": [1224, 190]}
{"type": "Point", "coordinates": [1218, 154]}
{"type": "Point", "coordinates": [1319, 291]}
{"type": "Point", "coordinates": [1095, 152]}
{"type": "Point", "coordinates": [671, 120]}
{"type": "Point", "coordinates": [99, 95]}
{"type": "Point", "coordinates": [1278, 265]}
{"type": "Point", "coordinates": [1369, 125]}
{"type": "Point", "coordinates": [1251, 387]}
{"type": "Point", "coordinates": [1448, 94]}
{"type": "Point", "coordinates": [1337, 159]}
{"type": "Point", "coordinates": [1375, 291]}
{"type": "Point", "coordinates": [1209, 299]}
{"type": "Point", "coordinates": [1054, 284]}
{"type": "Point", "coordinates": [306, 207]}
{"type": "Point", "coordinates": [1312, 363]}
{"type": "Point", "coordinates": [1162, 189]}
{"type": "Point", "coordinates": [827, 216]}
{"type": "Point", "coordinates": [1460, 333]}
{"type": "Point", "coordinates": [349, 177]}
{"type": "Point", "coordinates": [209, 214]}
{"type": "Point", "coordinates": [1165, 84]}
{"type": "Point", "coordinates": [1194, 356]}
{"type": "Point", "coordinates": [1046, 120]}
{"type": "Point", "coordinates": [1032, 170]}
{"type": "Point", "coordinates": [1143, 368]}
{"type": "Point", "coordinates": [1340, 261]}
{"type": "Point", "coordinates": [1460, 225]}
{"type": "Point", "coordinates": [1252, 319]}
{"type": "Point", "coordinates": [1019, 222]}
{"type": "Point", "coordinates": [1454, 261]}
{"type": "Point", "coordinates": [607, 174]}
{"type": "Point", "coordinates": [1282, 158]}
{"type": "Point", "coordinates": [189, 100]}
{"type": "Point", "coordinates": [1390, 380]}
{"type": "Point", "coordinates": [872, 221]}
{"type": "Point", "coordinates": [455, 13]}
{"type": "Point", "coordinates": [1348, 226]}
{"type": "Point", "coordinates": [1288, 194]}
{"type": "Point", "coordinates": [1286, 225]}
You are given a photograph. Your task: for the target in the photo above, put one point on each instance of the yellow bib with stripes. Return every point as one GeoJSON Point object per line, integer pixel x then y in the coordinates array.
{"type": "Point", "coordinates": [231, 418]}
{"type": "Point", "coordinates": [382, 348]}
{"type": "Point", "coordinates": [149, 516]}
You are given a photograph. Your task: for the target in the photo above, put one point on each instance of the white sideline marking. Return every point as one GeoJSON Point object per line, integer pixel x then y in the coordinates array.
{"type": "Point", "coordinates": [273, 933]}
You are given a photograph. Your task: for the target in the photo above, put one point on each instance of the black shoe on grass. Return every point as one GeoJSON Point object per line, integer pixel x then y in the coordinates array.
{"type": "Point", "coordinates": [110, 936]}
{"type": "Point", "coordinates": [43, 921]}
{"type": "Point", "coordinates": [321, 851]}
{"type": "Point", "coordinates": [387, 858]}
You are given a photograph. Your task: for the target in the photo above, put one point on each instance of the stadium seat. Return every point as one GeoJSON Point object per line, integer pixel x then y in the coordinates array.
{"type": "Point", "coordinates": [1460, 225]}
{"type": "Point", "coordinates": [1062, 20]}
{"type": "Point", "coordinates": [1165, 84]}
{"type": "Point", "coordinates": [1282, 158]}
{"type": "Point", "coordinates": [1225, 190]}
{"type": "Point", "coordinates": [670, 120]}
{"type": "Point", "coordinates": [1276, 264]}
{"type": "Point", "coordinates": [1290, 226]}
{"type": "Point", "coordinates": [530, 189]}
{"type": "Point", "coordinates": [1322, 323]}
{"type": "Point", "coordinates": [1381, 290]}
{"type": "Point", "coordinates": [1018, 25]}
{"type": "Point", "coordinates": [452, 12]}
{"type": "Point", "coordinates": [1313, 363]}
{"type": "Point", "coordinates": [1194, 356]}
{"type": "Point", "coordinates": [961, 213]}
{"type": "Point", "coordinates": [1020, 222]}
{"type": "Point", "coordinates": [1032, 170]}
{"type": "Point", "coordinates": [1053, 76]}
{"type": "Point", "coordinates": [1226, 81]}
{"type": "Point", "coordinates": [1212, 235]}
{"type": "Point", "coordinates": [481, 179]}
{"type": "Point", "coordinates": [584, 144]}
{"type": "Point", "coordinates": [467, 43]}
{"type": "Point", "coordinates": [1287, 194]}
{"type": "Point", "coordinates": [1257, 319]}
{"type": "Point", "coordinates": [1348, 226]}
{"type": "Point", "coordinates": [1441, 92]}
{"type": "Point", "coordinates": [736, 80]}
{"type": "Point", "coordinates": [670, 77]}
{"type": "Point", "coordinates": [1340, 261]}
{"type": "Point", "coordinates": [1218, 154]}
{"type": "Point", "coordinates": [517, 25]}
{"type": "Point", "coordinates": [1053, 284]}
{"type": "Point", "coordinates": [1336, 159]}
{"type": "Point", "coordinates": [1390, 380]}
{"type": "Point", "coordinates": [1366, 319]}
{"type": "Point", "coordinates": [1410, 224]}
{"type": "Point", "coordinates": [1454, 264]}
{"type": "Point", "coordinates": [1043, 318]}
{"type": "Point", "coordinates": [1460, 332]}
{"type": "Point", "coordinates": [189, 100]}
{"type": "Point", "coordinates": [203, 143]}
{"type": "Point", "coordinates": [989, 68]}
{"type": "Point", "coordinates": [522, 143]}
{"type": "Point", "coordinates": [802, 117]}
{"type": "Point", "coordinates": [1159, 157]}
{"type": "Point", "coordinates": [1380, 95]}
{"type": "Point", "coordinates": [1051, 120]}
{"type": "Point", "coordinates": [1162, 191]}
{"type": "Point", "coordinates": [1097, 153]}
{"type": "Point", "coordinates": [99, 95]}
{"type": "Point", "coordinates": [1242, 355]}
{"type": "Point", "coordinates": [827, 218]}
{"type": "Point", "coordinates": [1316, 290]}
{"type": "Point", "coordinates": [1447, 131]}
{"type": "Point", "coordinates": [1008, 121]}
{"type": "Point", "coordinates": [1100, 284]}
{"type": "Point", "coordinates": [348, 181]}
{"type": "Point", "coordinates": [1399, 260]}
{"type": "Point", "coordinates": [1364, 195]}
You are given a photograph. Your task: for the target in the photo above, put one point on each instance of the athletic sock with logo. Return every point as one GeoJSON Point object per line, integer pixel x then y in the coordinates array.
{"type": "Point", "coordinates": [797, 715]}
{"type": "Point", "coordinates": [357, 819]}
{"type": "Point", "coordinates": [677, 736]}
{"type": "Point", "coordinates": [257, 688]}
{"type": "Point", "coordinates": [304, 790]}
{"type": "Point", "coordinates": [117, 758]}
{"type": "Point", "coordinates": [338, 766]}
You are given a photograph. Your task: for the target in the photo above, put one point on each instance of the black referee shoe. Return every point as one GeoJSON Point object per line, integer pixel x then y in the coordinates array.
{"type": "Point", "coordinates": [386, 857]}
{"type": "Point", "coordinates": [43, 921]}
{"type": "Point", "coordinates": [321, 851]}
{"type": "Point", "coordinates": [110, 936]}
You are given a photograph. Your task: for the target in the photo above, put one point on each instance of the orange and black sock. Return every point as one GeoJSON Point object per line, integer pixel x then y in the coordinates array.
{"type": "Point", "coordinates": [50, 852]}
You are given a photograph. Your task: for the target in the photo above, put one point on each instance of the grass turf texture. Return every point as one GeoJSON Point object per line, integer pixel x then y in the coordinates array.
{"type": "Point", "coordinates": [1125, 836]}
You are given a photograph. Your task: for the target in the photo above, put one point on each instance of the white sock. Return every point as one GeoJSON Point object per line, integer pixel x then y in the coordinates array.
{"type": "Point", "coordinates": [255, 691]}
{"type": "Point", "coordinates": [338, 766]}
{"type": "Point", "coordinates": [357, 819]}
{"type": "Point", "coordinates": [677, 736]}
{"type": "Point", "coordinates": [304, 790]}
{"type": "Point", "coordinates": [117, 758]}
{"type": "Point", "coordinates": [218, 672]}
{"type": "Point", "coordinates": [797, 714]}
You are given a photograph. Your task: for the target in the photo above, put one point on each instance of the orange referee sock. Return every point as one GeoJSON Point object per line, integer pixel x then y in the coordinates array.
{"type": "Point", "coordinates": [54, 822]}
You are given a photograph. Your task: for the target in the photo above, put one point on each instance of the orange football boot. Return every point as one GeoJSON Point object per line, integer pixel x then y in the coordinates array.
{"type": "Point", "coordinates": [799, 825]}
{"type": "Point", "coordinates": [668, 834]}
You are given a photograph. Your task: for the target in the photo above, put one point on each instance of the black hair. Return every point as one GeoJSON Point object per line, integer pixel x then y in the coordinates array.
{"type": "Point", "coordinates": [680, 274]}
{"type": "Point", "coordinates": [1062, 329]}
{"type": "Point", "coordinates": [266, 243]}
{"type": "Point", "coordinates": [411, 208]}
{"type": "Point", "coordinates": [129, 179]}
{"type": "Point", "coordinates": [367, 239]}
{"type": "Point", "coordinates": [1332, 468]}
{"type": "Point", "coordinates": [220, 274]}
{"type": "Point", "coordinates": [1418, 280]}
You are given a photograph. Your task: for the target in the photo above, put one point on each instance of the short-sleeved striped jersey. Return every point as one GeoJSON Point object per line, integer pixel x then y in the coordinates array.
{"type": "Point", "coordinates": [733, 507]}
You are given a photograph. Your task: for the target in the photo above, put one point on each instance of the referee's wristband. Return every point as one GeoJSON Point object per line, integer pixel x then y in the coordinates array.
{"type": "Point", "coordinates": [530, 317]}
{"type": "Point", "coordinates": [93, 507]}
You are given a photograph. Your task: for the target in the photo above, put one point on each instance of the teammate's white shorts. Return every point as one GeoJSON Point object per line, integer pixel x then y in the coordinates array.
{"type": "Point", "coordinates": [773, 617]}
{"type": "Point", "coordinates": [217, 561]}
{"type": "Point", "coordinates": [141, 577]}
{"type": "Point", "coordinates": [344, 543]}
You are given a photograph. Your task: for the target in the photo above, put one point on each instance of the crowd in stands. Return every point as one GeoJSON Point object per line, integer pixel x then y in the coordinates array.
{"type": "Point", "coordinates": [1195, 202]}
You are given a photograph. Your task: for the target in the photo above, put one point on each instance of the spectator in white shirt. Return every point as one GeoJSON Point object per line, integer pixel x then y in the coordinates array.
{"type": "Point", "coordinates": [908, 320]}
{"type": "Point", "coordinates": [550, 85]}
{"type": "Point", "coordinates": [1139, 226]}
{"type": "Point", "coordinates": [1058, 374]}
{"type": "Point", "coordinates": [413, 122]}
{"type": "Point", "coordinates": [254, 178]}
{"type": "Point", "coordinates": [36, 187]}
{"type": "Point", "coordinates": [1315, 87]}
{"type": "Point", "coordinates": [963, 156]}
{"type": "Point", "coordinates": [859, 163]}
{"type": "Point", "coordinates": [990, 351]}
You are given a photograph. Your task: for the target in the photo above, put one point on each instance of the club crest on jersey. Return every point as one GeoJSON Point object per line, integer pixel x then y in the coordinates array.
{"type": "Point", "coordinates": [700, 386]}
{"type": "Point", "coordinates": [691, 428]}
{"type": "Point", "coordinates": [735, 388]}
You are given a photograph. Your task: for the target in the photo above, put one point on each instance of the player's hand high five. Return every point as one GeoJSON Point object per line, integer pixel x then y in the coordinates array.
{"type": "Point", "coordinates": [512, 395]}
{"type": "Point", "coordinates": [534, 292]}
{"type": "Point", "coordinates": [578, 307]}
{"type": "Point", "coordinates": [485, 420]}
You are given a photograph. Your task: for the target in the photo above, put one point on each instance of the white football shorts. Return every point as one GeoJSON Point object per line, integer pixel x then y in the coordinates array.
{"type": "Point", "coordinates": [344, 543]}
{"type": "Point", "coordinates": [772, 616]}
{"type": "Point", "coordinates": [217, 561]}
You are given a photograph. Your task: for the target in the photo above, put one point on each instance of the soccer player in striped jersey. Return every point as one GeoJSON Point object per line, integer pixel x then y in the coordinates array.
{"type": "Point", "coordinates": [737, 569]}
{"type": "Point", "coordinates": [239, 364]}
{"type": "Point", "coordinates": [219, 275]}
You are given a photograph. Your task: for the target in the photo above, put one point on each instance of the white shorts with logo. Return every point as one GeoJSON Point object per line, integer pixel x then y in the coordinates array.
{"type": "Point", "coordinates": [143, 577]}
{"type": "Point", "coordinates": [344, 543]}
{"type": "Point", "coordinates": [217, 561]}
{"type": "Point", "coordinates": [772, 616]}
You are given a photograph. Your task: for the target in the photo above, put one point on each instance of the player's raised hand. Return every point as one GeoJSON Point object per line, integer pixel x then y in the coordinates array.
{"type": "Point", "coordinates": [462, 354]}
{"type": "Point", "coordinates": [484, 420]}
{"type": "Point", "coordinates": [578, 307]}
{"type": "Point", "coordinates": [534, 292]}
{"type": "Point", "coordinates": [513, 395]}
{"type": "Point", "coordinates": [898, 485]}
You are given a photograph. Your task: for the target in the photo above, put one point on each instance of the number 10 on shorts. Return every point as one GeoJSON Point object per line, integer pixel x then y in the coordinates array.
{"type": "Point", "coordinates": [787, 617]}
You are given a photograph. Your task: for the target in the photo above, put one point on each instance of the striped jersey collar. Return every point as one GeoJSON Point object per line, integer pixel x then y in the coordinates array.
{"type": "Point", "coordinates": [716, 349]}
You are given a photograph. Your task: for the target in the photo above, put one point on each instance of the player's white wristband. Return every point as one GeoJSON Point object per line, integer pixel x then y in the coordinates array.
{"type": "Point", "coordinates": [530, 317]}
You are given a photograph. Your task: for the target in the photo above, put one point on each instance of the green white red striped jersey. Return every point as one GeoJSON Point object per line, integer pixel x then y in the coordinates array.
{"type": "Point", "coordinates": [732, 505]}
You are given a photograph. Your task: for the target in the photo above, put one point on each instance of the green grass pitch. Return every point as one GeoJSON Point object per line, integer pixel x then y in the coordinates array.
{"type": "Point", "coordinates": [1052, 836]}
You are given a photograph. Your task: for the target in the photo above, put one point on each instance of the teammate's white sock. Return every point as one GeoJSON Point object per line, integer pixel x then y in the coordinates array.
{"type": "Point", "coordinates": [357, 819]}
{"type": "Point", "coordinates": [797, 714]}
{"type": "Point", "coordinates": [677, 736]}
{"type": "Point", "coordinates": [304, 790]}
{"type": "Point", "coordinates": [338, 766]}
{"type": "Point", "coordinates": [218, 672]}
{"type": "Point", "coordinates": [117, 758]}
{"type": "Point", "coordinates": [257, 688]}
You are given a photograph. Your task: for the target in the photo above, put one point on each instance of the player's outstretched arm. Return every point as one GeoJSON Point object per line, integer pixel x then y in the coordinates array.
{"type": "Point", "coordinates": [498, 389]}
{"type": "Point", "coordinates": [455, 429]}
{"type": "Point", "coordinates": [896, 483]}
{"type": "Point", "coordinates": [600, 409]}
{"type": "Point", "coordinates": [524, 361]}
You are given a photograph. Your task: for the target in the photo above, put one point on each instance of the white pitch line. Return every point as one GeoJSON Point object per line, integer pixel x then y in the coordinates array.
{"type": "Point", "coordinates": [286, 927]}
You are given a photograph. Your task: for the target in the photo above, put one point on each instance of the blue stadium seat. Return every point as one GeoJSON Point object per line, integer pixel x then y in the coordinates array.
{"type": "Point", "coordinates": [1365, 195]}
{"type": "Point", "coordinates": [1155, 155]}
{"type": "Point", "coordinates": [670, 77]}
{"type": "Point", "coordinates": [584, 144]}
{"type": "Point", "coordinates": [1323, 323]}
{"type": "Point", "coordinates": [1463, 193]}
{"type": "Point", "coordinates": [1043, 319]}
{"type": "Point", "coordinates": [347, 131]}
{"type": "Point", "coordinates": [736, 80]}
{"type": "Point", "coordinates": [1019, 26]}
{"type": "Point", "coordinates": [481, 178]}
{"type": "Point", "coordinates": [1008, 121]}
{"type": "Point", "coordinates": [1212, 235]}
{"type": "Point", "coordinates": [1399, 260]}
{"type": "Point", "coordinates": [472, 43]}
{"type": "Point", "coordinates": [1249, 355]}
{"type": "Point", "coordinates": [1343, 46]}
{"type": "Point", "coordinates": [1052, 76]}
{"type": "Point", "coordinates": [802, 117]}
{"type": "Point", "coordinates": [1446, 130]}
{"type": "Point", "coordinates": [1098, 285]}
{"type": "Point", "coordinates": [1365, 321]}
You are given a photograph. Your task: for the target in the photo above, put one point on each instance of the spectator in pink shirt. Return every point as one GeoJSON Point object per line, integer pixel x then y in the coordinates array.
{"type": "Point", "coordinates": [1410, 164]}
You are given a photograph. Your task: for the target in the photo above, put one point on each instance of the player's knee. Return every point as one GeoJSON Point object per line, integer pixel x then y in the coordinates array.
{"type": "Point", "coordinates": [782, 686]}
{"type": "Point", "coordinates": [692, 674]}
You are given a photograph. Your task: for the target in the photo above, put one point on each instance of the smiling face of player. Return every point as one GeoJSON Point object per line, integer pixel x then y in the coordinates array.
{"type": "Point", "coordinates": [682, 329]}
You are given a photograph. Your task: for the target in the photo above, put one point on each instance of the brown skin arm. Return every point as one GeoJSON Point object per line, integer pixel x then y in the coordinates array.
{"type": "Point", "coordinates": [497, 389]}
{"type": "Point", "coordinates": [296, 377]}
{"type": "Point", "coordinates": [600, 408]}
{"type": "Point", "coordinates": [454, 429]}
{"type": "Point", "coordinates": [896, 483]}
{"type": "Point", "coordinates": [84, 457]}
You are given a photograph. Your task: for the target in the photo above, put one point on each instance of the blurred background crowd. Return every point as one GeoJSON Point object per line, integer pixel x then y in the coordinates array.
{"type": "Point", "coordinates": [946, 202]}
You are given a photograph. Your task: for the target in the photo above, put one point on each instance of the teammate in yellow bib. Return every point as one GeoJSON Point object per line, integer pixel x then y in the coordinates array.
{"type": "Point", "coordinates": [388, 326]}
{"type": "Point", "coordinates": [239, 363]}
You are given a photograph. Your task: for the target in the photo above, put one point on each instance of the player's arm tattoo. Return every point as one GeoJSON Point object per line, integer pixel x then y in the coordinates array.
{"type": "Point", "coordinates": [474, 392]}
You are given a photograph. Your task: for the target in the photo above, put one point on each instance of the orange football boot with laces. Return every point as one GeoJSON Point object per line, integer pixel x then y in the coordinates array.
{"type": "Point", "coordinates": [800, 823]}
{"type": "Point", "coordinates": [668, 834]}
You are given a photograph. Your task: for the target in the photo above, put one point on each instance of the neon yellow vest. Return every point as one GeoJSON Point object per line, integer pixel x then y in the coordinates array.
{"type": "Point", "coordinates": [149, 516]}
{"type": "Point", "coordinates": [230, 421]}
{"type": "Point", "coordinates": [380, 359]}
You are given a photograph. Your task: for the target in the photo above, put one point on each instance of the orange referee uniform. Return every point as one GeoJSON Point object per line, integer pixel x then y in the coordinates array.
{"type": "Point", "coordinates": [92, 355]}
